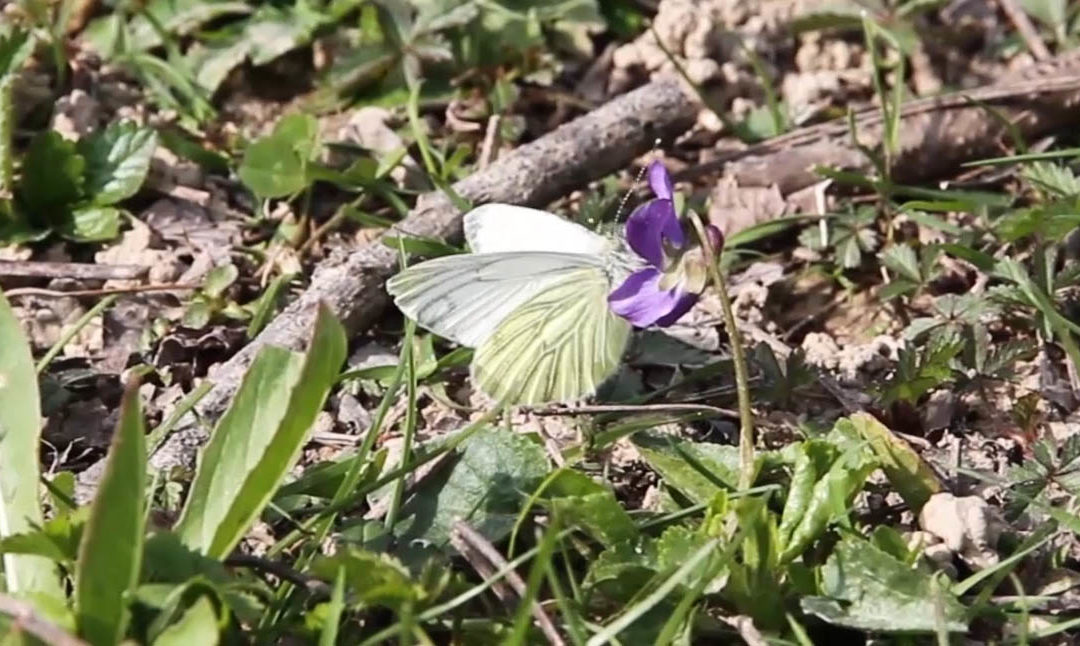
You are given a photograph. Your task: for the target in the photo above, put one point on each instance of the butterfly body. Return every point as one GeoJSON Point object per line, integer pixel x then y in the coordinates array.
{"type": "Point", "coordinates": [531, 298]}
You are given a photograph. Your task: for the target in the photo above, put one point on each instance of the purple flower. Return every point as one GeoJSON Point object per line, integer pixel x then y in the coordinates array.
{"type": "Point", "coordinates": [676, 273]}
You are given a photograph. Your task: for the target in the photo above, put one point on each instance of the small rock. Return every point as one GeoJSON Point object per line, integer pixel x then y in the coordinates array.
{"type": "Point", "coordinates": [967, 525]}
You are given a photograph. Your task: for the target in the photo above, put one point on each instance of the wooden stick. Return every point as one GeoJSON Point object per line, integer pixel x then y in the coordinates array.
{"type": "Point", "coordinates": [74, 270]}
{"type": "Point", "coordinates": [26, 619]}
{"type": "Point", "coordinates": [467, 539]}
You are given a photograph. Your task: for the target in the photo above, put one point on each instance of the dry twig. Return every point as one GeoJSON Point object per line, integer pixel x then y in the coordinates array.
{"type": "Point", "coordinates": [470, 544]}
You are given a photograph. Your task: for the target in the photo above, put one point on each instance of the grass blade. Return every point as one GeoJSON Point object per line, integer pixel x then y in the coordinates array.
{"type": "Point", "coordinates": [110, 552]}
{"type": "Point", "coordinates": [259, 438]}
{"type": "Point", "coordinates": [20, 434]}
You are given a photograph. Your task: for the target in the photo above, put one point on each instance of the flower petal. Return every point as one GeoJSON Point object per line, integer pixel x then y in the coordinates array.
{"type": "Point", "coordinates": [648, 225]}
{"type": "Point", "coordinates": [684, 301]}
{"type": "Point", "coordinates": [641, 301]}
{"type": "Point", "coordinates": [660, 181]}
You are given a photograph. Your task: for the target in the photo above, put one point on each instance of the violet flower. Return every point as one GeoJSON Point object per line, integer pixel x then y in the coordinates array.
{"type": "Point", "coordinates": [676, 272]}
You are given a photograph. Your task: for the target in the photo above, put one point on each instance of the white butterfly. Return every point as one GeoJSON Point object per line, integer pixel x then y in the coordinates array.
{"type": "Point", "coordinates": [531, 298]}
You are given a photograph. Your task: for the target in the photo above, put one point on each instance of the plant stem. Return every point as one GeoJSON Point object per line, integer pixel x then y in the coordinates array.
{"type": "Point", "coordinates": [738, 357]}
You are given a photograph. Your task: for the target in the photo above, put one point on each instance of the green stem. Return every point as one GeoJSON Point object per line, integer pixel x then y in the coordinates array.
{"type": "Point", "coordinates": [738, 357]}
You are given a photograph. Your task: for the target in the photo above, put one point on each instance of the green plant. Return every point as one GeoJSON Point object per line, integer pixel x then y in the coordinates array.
{"type": "Point", "coordinates": [72, 188]}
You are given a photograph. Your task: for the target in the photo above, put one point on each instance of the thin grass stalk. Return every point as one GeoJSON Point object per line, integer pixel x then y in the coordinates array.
{"type": "Point", "coordinates": [738, 358]}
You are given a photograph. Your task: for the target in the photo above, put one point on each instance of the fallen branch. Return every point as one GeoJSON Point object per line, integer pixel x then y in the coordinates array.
{"type": "Point", "coordinates": [588, 148]}
{"type": "Point", "coordinates": [936, 134]}
{"type": "Point", "coordinates": [74, 270]}
{"type": "Point", "coordinates": [24, 618]}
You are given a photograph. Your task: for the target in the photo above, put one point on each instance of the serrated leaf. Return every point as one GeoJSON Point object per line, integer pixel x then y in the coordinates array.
{"type": "Point", "coordinates": [259, 438]}
{"type": "Point", "coordinates": [867, 589]}
{"type": "Point", "coordinates": [117, 161]}
{"type": "Point", "coordinates": [110, 552]}
{"type": "Point", "coordinates": [20, 431]}
{"type": "Point", "coordinates": [494, 472]}
{"type": "Point", "coordinates": [52, 178]}
{"type": "Point", "coordinates": [901, 259]}
{"type": "Point", "coordinates": [909, 475]}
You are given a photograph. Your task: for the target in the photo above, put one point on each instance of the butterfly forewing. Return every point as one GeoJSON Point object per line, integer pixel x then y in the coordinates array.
{"type": "Point", "coordinates": [503, 227]}
{"type": "Point", "coordinates": [464, 297]}
{"type": "Point", "coordinates": [559, 345]}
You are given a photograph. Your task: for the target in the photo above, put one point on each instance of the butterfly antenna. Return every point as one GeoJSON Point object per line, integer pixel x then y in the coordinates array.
{"type": "Point", "coordinates": [637, 180]}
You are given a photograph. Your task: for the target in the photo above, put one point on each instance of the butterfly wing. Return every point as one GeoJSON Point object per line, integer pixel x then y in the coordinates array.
{"type": "Point", "coordinates": [502, 227]}
{"type": "Point", "coordinates": [464, 297]}
{"type": "Point", "coordinates": [558, 345]}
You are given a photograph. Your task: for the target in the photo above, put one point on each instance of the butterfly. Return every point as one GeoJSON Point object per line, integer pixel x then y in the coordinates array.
{"type": "Point", "coordinates": [531, 298]}
{"type": "Point", "coordinates": [548, 304]}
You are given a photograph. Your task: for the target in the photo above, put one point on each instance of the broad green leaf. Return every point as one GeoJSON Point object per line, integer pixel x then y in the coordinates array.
{"type": "Point", "coordinates": [907, 472]}
{"type": "Point", "coordinates": [492, 475]}
{"type": "Point", "coordinates": [259, 439]}
{"type": "Point", "coordinates": [20, 432]}
{"type": "Point", "coordinates": [110, 552]}
{"type": "Point", "coordinates": [865, 588]}
{"type": "Point", "coordinates": [117, 161]}
{"type": "Point", "coordinates": [198, 625]}
{"type": "Point", "coordinates": [91, 224]}
{"type": "Point", "coordinates": [697, 470]}
{"type": "Point", "coordinates": [52, 178]}
{"type": "Point", "coordinates": [581, 501]}
{"type": "Point", "coordinates": [272, 168]}
{"type": "Point", "coordinates": [272, 31]}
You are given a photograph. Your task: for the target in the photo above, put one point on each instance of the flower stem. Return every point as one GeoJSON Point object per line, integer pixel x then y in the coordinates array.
{"type": "Point", "coordinates": [738, 357]}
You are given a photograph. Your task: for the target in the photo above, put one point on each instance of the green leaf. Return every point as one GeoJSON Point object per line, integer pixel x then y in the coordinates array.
{"type": "Point", "coordinates": [371, 578]}
{"type": "Point", "coordinates": [579, 500]}
{"type": "Point", "coordinates": [492, 474]}
{"type": "Point", "coordinates": [425, 247]}
{"type": "Point", "coordinates": [20, 432]}
{"type": "Point", "coordinates": [276, 165]}
{"type": "Point", "coordinates": [110, 552]}
{"type": "Point", "coordinates": [117, 161]}
{"type": "Point", "coordinates": [52, 178]}
{"type": "Point", "coordinates": [91, 224]}
{"type": "Point", "coordinates": [867, 589]}
{"type": "Point", "coordinates": [57, 539]}
{"type": "Point", "coordinates": [907, 472]}
{"type": "Point", "coordinates": [259, 438]}
{"type": "Point", "coordinates": [273, 31]}
{"type": "Point", "coordinates": [832, 491]}
{"type": "Point", "coordinates": [219, 278]}
{"type": "Point", "coordinates": [198, 625]}
{"type": "Point", "coordinates": [697, 470]}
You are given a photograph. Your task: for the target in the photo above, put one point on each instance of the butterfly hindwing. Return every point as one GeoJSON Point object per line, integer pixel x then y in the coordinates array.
{"type": "Point", "coordinates": [464, 297]}
{"type": "Point", "coordinates": [558, 345]}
